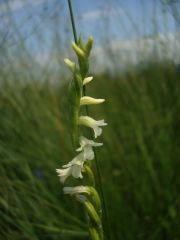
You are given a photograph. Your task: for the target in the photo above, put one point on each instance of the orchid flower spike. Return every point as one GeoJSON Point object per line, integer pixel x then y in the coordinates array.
{"type": "Point", "coordinates": [86, 146]}
{"type": "Point", "coordinates": [95, 125]}
{"type": "Point", "coordinates": [89, 100]}
{"type": "Point", "coordinates": [73, 168]}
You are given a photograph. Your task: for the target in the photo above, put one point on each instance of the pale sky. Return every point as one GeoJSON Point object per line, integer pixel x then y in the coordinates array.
{"type": "Point", "coordinates": [35, 24]}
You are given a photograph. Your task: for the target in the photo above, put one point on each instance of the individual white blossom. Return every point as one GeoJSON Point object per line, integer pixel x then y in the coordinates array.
{"type": "Point", "coordinates": [89, 100]}
{"type": "Point", "coordinates": [86, 146]}
{"type": "Point", "coordinates": [76, 190]}
{"type": "Point", "coordinates": [87, 80]}
{"type": "Point", "coordinates": [73, 168]}
{"type": "Point", "coordinates": [95, 125]}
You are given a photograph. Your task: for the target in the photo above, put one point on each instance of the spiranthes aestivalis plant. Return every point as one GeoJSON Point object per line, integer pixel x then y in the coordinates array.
{"type": "Point", "coordinates": [80, 166]}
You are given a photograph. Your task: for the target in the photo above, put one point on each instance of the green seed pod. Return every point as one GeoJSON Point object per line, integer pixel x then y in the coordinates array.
{"type": "Point", "coordinates": [95, 199]}
{"type": "Point", "coordinates": [90, 174]}
{"type": "Point", "coordinates": [92, 213]}
{"type": "Point", "coordinates": [88, 46]}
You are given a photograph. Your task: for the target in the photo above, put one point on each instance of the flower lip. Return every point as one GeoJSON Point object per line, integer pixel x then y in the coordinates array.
{"type": "Point", "coordinates": [63, 174]}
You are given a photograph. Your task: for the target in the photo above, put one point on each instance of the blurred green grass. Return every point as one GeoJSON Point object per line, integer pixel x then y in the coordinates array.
{"type": "Point", "coordinates": [139, 161]}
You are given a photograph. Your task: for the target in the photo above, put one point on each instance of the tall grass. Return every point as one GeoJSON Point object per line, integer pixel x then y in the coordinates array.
{"type": "Point", "coordinates": [139, 163]}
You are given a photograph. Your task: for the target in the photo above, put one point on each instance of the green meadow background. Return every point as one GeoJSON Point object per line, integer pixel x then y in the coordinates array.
{"type": "Point", "coordinates": [139, 161]}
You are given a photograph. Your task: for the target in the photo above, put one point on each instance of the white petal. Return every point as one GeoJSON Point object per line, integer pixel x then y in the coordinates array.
{"type": "Point", "coordinates": [95, 144]}
{"type": "Point", "coordinates": [87, 121]}
{"type": "Point", "coordinates": [85, 141]}
{"type": "Point", "coordinates": [79, 149]}
{"type": "Point", "coordinates": [70, 64]}
{"type": "Point", "coordinates": [86, 146]}
{"type": "Point", "coordinates": [89, 100]}
{"type": "Point", "coordinates": [90, 122]}
{"type": "Point", "coordinates": [87, 80]}
{"type": "Point", "coordinates": [88, 152]}
{"type": "Point", "coordinates": [73, 168]}
{"type": "Point", "coordinates": [101, 123]}
{"type": "Point", "coordinates": [76, 171]}
{"type": "Point", "coordinates": [63, 174]}
{"type": "Point", "coordinates": [79, 157]}
{"type": "Point", "coordinates": [97, 131]}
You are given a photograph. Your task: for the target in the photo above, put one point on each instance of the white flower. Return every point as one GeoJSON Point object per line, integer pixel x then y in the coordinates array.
{"type": "Point", "coordinates": [87, 80]}
{"type": "Point", "coordinates": [73, 168]}
{"type": "Point", "coordinates": [89, 100]}
{"type": "Point", "coordinates": [86, 146]}
{"type": "Point", "coordinates": [70, 64]}
{"type": "Point", "coordinates": [76, 190]}
{"type": "Point", "coordinates": [95, 125]}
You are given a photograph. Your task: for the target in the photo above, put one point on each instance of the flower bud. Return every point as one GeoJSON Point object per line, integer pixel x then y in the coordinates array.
{"type": "Point", "coordinates": [87, 80]}
{"type": "Point", "coordinates": [80, 53]}
{"type": "Point", "coordinates": [90, 101]}
{"type": "Point", "coordinates": [89, 46]}
{"type": "Point", "coordinates": [71, 65]}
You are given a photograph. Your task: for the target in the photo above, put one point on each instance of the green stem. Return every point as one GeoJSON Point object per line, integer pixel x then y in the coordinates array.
{"type": "Point", "coordinates": [72, 21]}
